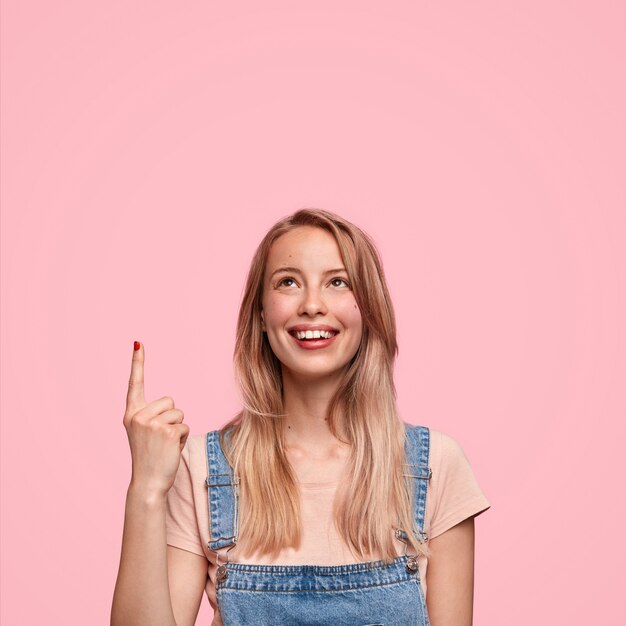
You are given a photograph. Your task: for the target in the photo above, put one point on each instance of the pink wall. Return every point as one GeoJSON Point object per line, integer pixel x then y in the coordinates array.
{"type": "Point", "coordinates": [146, 147]}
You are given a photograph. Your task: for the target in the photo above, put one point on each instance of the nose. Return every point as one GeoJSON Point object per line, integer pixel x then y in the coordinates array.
{"type": "Point", "coordinates": [312, 303]}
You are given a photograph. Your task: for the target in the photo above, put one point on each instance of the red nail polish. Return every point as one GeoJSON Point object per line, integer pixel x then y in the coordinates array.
{"type": "Point", "coordinates": [137, 345]}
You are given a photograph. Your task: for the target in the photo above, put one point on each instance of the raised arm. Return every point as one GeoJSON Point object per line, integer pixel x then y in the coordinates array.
{"type": "Point", "coordinates": [156, 585]}
{"type": "Point", "coordinates": [450, 576]}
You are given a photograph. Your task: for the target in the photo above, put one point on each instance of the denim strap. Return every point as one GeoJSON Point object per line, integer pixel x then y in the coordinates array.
{"type": "Point", "coordinates": [222, 487]}
{"type": "Point", "coordinates": [418, 472]}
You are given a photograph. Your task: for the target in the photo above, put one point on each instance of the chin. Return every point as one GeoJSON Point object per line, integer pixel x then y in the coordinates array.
{"type": "Point", "coordinates": [314, 373]}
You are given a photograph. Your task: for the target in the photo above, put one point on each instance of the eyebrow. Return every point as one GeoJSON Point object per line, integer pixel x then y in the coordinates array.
{"type": "Point", "coordinates": [295, 270]}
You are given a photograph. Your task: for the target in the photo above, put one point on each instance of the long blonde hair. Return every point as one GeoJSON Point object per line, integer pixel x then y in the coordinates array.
{"type": "Point", "coordinates": [373, 496]}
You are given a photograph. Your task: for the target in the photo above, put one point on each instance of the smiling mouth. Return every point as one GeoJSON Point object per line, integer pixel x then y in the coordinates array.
{"type": "Point", "coordinates": [312, 335]}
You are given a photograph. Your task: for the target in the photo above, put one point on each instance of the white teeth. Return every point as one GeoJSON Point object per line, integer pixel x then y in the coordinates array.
{"type": "Point", "coordinates": [314, 334]}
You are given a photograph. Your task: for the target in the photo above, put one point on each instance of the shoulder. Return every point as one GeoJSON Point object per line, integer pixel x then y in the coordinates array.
{"type": "Point", "coordinates": [194, 454]}
{"type": "Point", "coordinates": [195, 444]}
{"type": "Point", "coordinates": [197, 447]}
{"type": "Point", "coordinates": [441, 444]}
{"type": "Point", "coordinates": [444, 445]}
{"type": "Point", "coordinates": [448, 457]}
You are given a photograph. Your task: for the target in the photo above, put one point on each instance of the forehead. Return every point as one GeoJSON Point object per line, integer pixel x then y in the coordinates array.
{"type": "Point", "coordinates": [305, 246]}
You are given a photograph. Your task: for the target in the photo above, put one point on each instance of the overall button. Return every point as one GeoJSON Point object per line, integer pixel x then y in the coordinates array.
{"type": "Point", "coordinates": [411, 564]}
{"type": "Point", "coordinates": [222, 573]}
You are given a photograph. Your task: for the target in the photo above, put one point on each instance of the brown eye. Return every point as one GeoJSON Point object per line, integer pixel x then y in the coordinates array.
{"type": "Point", "coordinates": [282, 282]}
{"type": "Point", "coordinates": [343, 280]}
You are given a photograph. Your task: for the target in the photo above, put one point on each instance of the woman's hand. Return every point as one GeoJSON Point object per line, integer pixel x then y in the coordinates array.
{"type": "Point", "coordinates": [155, 432]}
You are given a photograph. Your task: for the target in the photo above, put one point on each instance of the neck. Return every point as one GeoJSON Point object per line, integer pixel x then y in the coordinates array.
{"type": "Point", "coordinates": [306, 405]}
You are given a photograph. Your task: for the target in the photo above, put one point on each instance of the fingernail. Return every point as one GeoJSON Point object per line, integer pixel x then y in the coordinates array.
{"type": "Point", "coordinates": [137, 345]}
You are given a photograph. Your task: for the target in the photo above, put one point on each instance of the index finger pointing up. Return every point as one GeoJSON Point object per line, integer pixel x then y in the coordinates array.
{"type": "Point", "coordinates": [135, 398]}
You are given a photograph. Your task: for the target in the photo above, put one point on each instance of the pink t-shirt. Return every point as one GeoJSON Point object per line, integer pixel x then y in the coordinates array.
{"type": "Point", "coordinates": [453, 495]}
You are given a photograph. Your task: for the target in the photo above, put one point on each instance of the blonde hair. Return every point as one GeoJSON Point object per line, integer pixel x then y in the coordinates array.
{"type": "Point", "coordinates": [374, 496]}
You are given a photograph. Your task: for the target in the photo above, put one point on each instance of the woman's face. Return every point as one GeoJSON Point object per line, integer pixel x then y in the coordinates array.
{"type": "Point", "coordinates": [306, 288]}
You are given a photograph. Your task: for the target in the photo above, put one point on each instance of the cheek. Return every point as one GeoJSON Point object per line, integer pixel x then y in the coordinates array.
{"type": "Point", "coordinates": [352, 315]}
{"type": "Point", "coordinates": [275, 310]}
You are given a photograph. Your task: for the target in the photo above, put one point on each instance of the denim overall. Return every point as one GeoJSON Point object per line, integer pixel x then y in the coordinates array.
{"type": "Point", "coordinates": [359, 594]}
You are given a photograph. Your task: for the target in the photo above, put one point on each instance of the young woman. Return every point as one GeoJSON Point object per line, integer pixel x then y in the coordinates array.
{"type": "Point", "coordinates": [316, 504]}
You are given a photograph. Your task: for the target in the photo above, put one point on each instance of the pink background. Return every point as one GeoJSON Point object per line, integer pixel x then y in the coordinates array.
{"type": "Point", "coordinates": [148, 146]}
